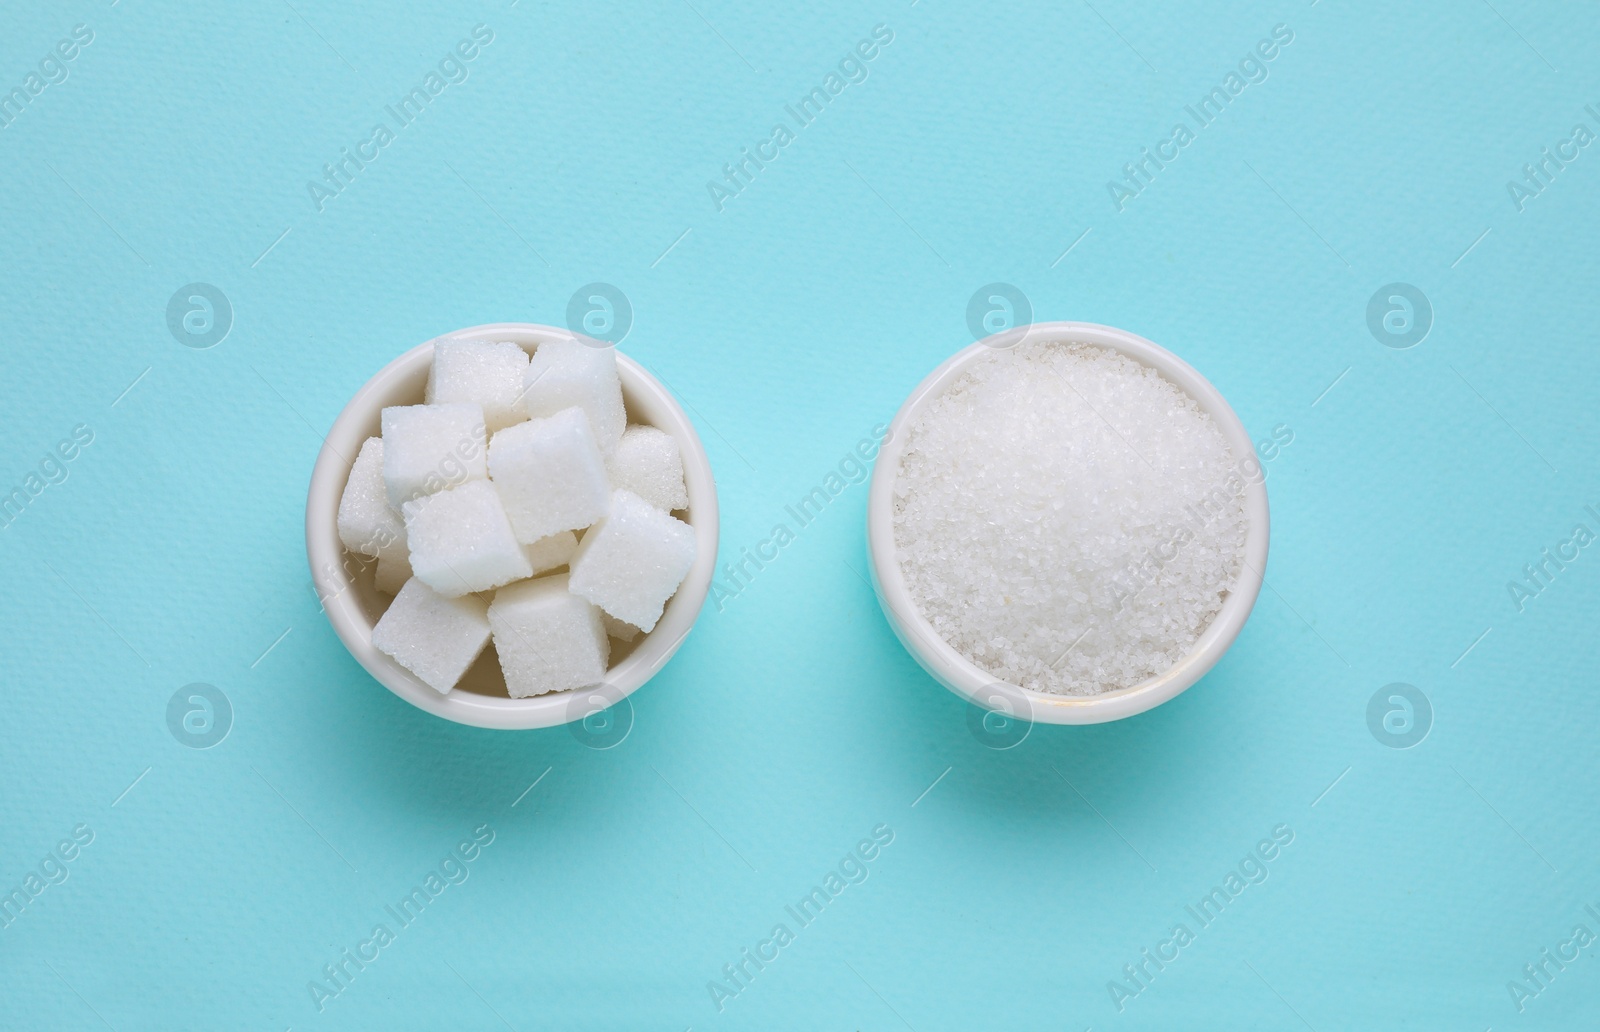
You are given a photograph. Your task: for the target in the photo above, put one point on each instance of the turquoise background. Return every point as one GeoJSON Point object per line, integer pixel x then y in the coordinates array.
{"type": "Point", "coordinates": [219, 882]}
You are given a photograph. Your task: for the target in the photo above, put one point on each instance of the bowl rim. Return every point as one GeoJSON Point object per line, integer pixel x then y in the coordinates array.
{"type": "Point", "coordinates": [335, 586]}
{"type": "Point", "coordinates": [965, 678]}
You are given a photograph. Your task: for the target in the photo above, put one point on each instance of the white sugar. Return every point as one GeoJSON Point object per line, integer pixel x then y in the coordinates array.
{"type": "Point", "coordinates": [434, 637]}
{"type": "Point", "coordinates": [461, 540]}
{"type": "Point", "coordinates": [427, 448]}
{"type": "Point", "coordinates": [473, 502]}
{"type": "Point", "coordinates": [648, 463]}
{"type": "Point", "coordinates": [481, 373]}
{"type": "Point", "coordinates": [1067, 519]}
{"type": "Point", "coordinates": [550, 474]}
{"type": "Point", "coordinates": [564, 373]}
{"type": "Point", "coordinates": [618, 629]}
{"type": "Point", "coordinates": [548, 553]}
{"type": "Point", "coordinates": [366, 522]}
{"type": "Point", "coordinates": [548, 639]}
{"type": "Point", "coordinates": [630, 563]}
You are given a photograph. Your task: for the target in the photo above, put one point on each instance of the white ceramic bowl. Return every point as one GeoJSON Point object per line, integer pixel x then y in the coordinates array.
{"type": "Point", "coordinates": [354, 605]}
{"type": "Point", "coordinates": [966, 679]}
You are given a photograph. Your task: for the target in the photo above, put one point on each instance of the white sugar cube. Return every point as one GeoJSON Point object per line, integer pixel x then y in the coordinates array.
{"type": "Point", "coordinates": [647, 462]}
{"type": "Point", "coordinates": [461, 540]}
{"type": "Point", "coordinates": [631, 562]}
{"type": "Point", "coordinates": [547, 553]}
{"type": "Point", "coordinates": [618, 629]}
{"type": "Point", "coordinates": [564, 373]}
{"type": "Point", "coordinates": [434, 637]}
{"type": "Point", "coordinates": [394, 569]}
{"type": "Point", "coordinates": [548, 639]}
{"type": "Point", "coordinates": [551, 475]}
{"type": "Point", "coordinates": [484, 373]}
{"type": "Point", "coordinates": [427, 448]}
{"type": "Point", "coordinates": [366, 523]}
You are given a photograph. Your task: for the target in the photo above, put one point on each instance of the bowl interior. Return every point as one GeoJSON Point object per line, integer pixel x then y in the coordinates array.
{"type": "Point", "coordinates": [962, 676]}
{"type": "Point", "coordinates": [354, 605]}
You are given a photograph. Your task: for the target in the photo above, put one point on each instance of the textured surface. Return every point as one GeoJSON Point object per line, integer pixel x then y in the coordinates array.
{"type": "Point", "coordinates": [434, 637]}
{"type": "Point", "coordinates": [169, 549]}
{"type": "Point", "coordinates": [486, 374]}
{"type": "Point", "coordinates": [461, 541]}
{"type": "Point", "coordinates": [366, 522]}
{"type": "Point", "coordinates": [550, 473]}
{"type": "Point", "coordinates": [630, 563]}
{"type": "Point", "coordinates": [547, 553]}
{"type": "Point", "coordinates": [648, 463]}
{"type": "Point", "coordinates": [566, 373]}
{"type": "Point", "coordinates": [548, 639]}
{"type": "Point", "coordinates": [618, 629]}
{"type": "Point", "coordinates": [427, 448]}
{"type": "Point", "coordinates": [1067, 519]}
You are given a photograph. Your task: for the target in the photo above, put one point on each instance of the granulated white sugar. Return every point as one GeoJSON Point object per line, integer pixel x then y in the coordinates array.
{"type": "Point", "coordinates": [1067, 519]}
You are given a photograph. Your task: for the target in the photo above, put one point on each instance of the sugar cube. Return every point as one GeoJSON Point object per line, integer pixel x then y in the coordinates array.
{"type": "Point", "coordinates": [547, 553]}
{"type": "Point", "coordinates": [648, 463]}
{"type": "Point", "coordinates": [366, 523]}
{"type": "Point", "coordinates": [563, 373]}
{"type": "Point", "coordinates": [461, 541]}
{"type": "Point", "coordinates": [427, 448]}
{"type": "Point", "coordinates": [618, 629]}
{"type": "Point", "coordinates": [434, 637]}
{"type": "Point", "coordinates": [548, 639]}
{"type": "Point", "coordinates": [631, 562]}
{"type": "Point", "coordinates": [550, 474]}
{"type": "Point", "coordinates": [482, 372]}
{"type": "Point", "coordinates": [394, 569]}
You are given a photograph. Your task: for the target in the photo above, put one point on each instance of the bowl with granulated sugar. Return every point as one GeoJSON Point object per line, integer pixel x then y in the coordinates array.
{"type": "Point", "coordinates": [1067, 523]}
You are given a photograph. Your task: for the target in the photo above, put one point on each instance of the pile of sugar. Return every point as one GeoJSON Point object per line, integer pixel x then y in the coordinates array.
{"type": "Point", "coordinates": [1067, 519]}
{"type": "Point", "coordinates": [473, 502]}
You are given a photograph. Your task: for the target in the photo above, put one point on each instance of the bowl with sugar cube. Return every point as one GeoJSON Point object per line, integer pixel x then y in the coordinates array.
{"type": "Point", "coordinates": [512, 527]}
